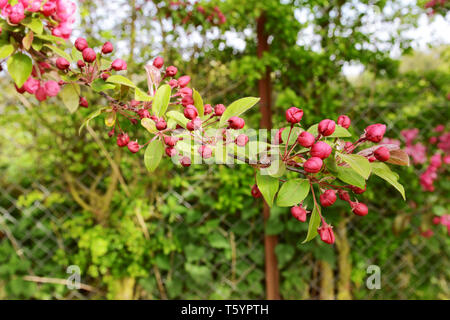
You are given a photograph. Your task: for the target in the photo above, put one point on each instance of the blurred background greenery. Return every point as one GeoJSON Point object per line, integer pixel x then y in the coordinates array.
{"type": "Point", "coordinates": [69, 199]}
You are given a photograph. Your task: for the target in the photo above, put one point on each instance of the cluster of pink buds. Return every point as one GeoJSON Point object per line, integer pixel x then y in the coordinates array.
{"type": "Point", "coordinates": [436, 5]}
{"type": "Point", "coordinates": [320, 144]}
{"type": "Point", "coordinates": [60, 13]}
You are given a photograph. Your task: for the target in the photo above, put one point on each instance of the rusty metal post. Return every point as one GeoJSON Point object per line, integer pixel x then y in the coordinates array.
{"type": "Point", "coordinates": [265, 93]}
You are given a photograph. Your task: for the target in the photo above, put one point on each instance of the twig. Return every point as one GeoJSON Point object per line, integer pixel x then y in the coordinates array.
{"type": "Point", "coordinates": [64, 282]}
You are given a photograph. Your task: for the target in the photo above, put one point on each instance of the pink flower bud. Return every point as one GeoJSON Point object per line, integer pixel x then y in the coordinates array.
{"type": "Point", "coordinates": [326, 127]}
{"type": "Point", "coordinates": [119, 65]}
{"type": "Point", "coordinates": [313, 165]}
{"type": "Point", "coordinates": [49, 8]}
{"type": "Point", "coordinates": [186, 92]}
{"type": "Point", "coordinates": [170, 141]}
{"type": "Point", "coordinates": [375, 132]}
{"type": "Point", "coordinates": [294, 115]}
{"type": "Point", "coordinates": [62, 64]}
{"type": "Point", "coordinates": [171, 71]}
{"type": "Point", "coordinates": [194, 124]}
{"type": "Point", "coordinates": [207, 109]}
{"type": "Point", "coordinates": [382, 154]}
{"type": "Point", "coordinates": [344, 121]}
{"type": "Point", "coordinates": [184, 81]}
{"type": "Point", "coordinates": [31, 85]}
{"type": "Point", "coordinates": [51, 88]}
{"type": "Point", "coordinates": [40, 94]}
{"type": "Point", "coordinates": [360, 209]}
{"type": "Point", "coordinates": [343, 195]}
{"type": "Point", "coordinates": [173, 83]}
{"type": "Point", "coordinates": [321, 150]}
{"type": "Point", "coordinates": [219, 109]}
{"type": "Point", "coordinates": [123, 139]}
{"type": "Point", "coordinates": [171, 152]}
{"type": "Point", "coordinates": [81, 44]}
{"type": "Point", "coordinates": [328, 198]}
{"type": "Point", "coordinates": [205, 152]}
{"type": "Point", "coordinates": [133, 146]}
{"type": "Point", "coordinates": [81, 64]}
{"type": "Point", "coordinates": [190, 112]}
{"type": "Point", "coordinates": [107, 47]}
{"type": "Point", "coordinates": [241, 140]}
{"type": "Point", "coordinates": [357, 190]}
{"type": "Point", "coordinates": [84, 103]}
{"type": "Point", "coordinates": [16, 14]}
{"type": "Point", "coordinates": [187, 100]}
{"type": "Point", "coordinates": [161, 124]}
{"type": "Point", "coordinates": [326, 233]}
{"type": "Point", "coordinates": [158, 62]}
{"type": "Point", "coordinates": [236, 123]}
{"type": "Point", "coordinates": [255, 192]}
{"type": "Point", "coordinates": [299, 213]}
{"type": "Point", "coordinates": [305, 139]}
{"type": "Point", "coordinates": [105, 76]}
{"type": "Point", "coordinates": [89, 55]}
{"type": "Point", "coordinates": [436, 220]}
{"type": "Point", "coordinates": [185, 161]}
{"type": "Point", "coordinates": [143, 113]}
{"type": "Point", "coordinates": [349, 147]}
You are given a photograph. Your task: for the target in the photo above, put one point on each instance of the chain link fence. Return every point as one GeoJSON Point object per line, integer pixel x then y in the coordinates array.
{"type": "Point", "coordinates": [228, 263]}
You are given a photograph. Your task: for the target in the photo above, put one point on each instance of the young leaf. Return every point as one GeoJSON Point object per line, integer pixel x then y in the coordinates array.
{"type": "Point", "coordinates": [294, 135]}
{"type": "Point", "coordinates": [35, 24]}
{"type": "Point", "coordinates": [292, 192]}
{"type": "Point", "coordinates": [350, 176]}
{"type": "Point", "coordinates": [314, 223]}
{"type": "Point", "coordinates": [198, 102]}
{"type": "Point", "coordinates": [91, 116]}
{"type": "Point", "coordinates": [339, 132]}
{"type": "Point", "coordinates": [110, 120]}
{"type": "Point", "coordinates": [118, 79]}
{"type": "Point", "coordinates": [6, 50]}
{"type": "Point", "coordinates": [70, 96]}
{"type": "Point", "coordinates": [140, 95]}
{"type": "Point", "coordinates": [358, 163]}
{"type": "Point", "coordinates": [100, 85]}
{"type": "Point", "coordinates": [161, 100]}
{"type": "Point", "coordinates": [59, 52]}
{"type": "Point", "coordinates": [27, 41]}
{"type": "Point", "coordinates": [178, 117]}
{"type": "Point", "coordinates": [20, 67]}
{"type": "Point", "coordinates": [384, 172]}
{"type": "Point", "coordinates": [153, 155]}
{"type": "Point", "coordinates": [237, 108]}
{"type": "Point", "coordinates": [398, 157]}
{"type": "Point", "coordinates": [268, 187]}
{"type": "Point", "coordinates": [149, 124]}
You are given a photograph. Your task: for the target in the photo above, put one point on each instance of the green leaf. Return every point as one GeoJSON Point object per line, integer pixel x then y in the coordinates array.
{"type": "Point", "coordinates": [276, 169]}
{"type": "Point", "coordinates": [149, 124]}
{"type": "Point", "coordinates": [384, 172]}
{"type": "Point", "coordinates": [293, 192]}
{"type": "Point", "coordinates": [37, 44]}
{"type": "Point", "coordinates": [91, 116]}
{"type": "Point", "coordinates": [20, 67]}
{"type": "Point", "coordinates": [6, 50]}
{"type": "Point", "coordinates": [76, 55]}
{"type": "Point", "coordinates": [178, 117]}
{"type": "Point", "coordinates": [350, 176]}
{"type": "Point", "coordinates": [70, 96]}
{"type": "Point", "coordinates": [358, 163]}
{"type": "Point", "coordinates": [314, 223]}
{"type": "Point", "coordinates": [268, 187]}
{"type": "Point", "coordinates": [27, 41]}
{"type": "Point", "coordinates": [294, 135]}
{"type": "Point", "coordinates": [161, 100]}
{"type": "Point", "coordinates": [237, 108]}
{"type": "Point", "coordinates": [100, 85]}
{"type": "Point", "coordinates": [153, 155]}
{"type": "Point", "coordinates": [198, 102]}
{"type": "Point", "coordinates": [59, 52]}
{"type": "Point", "coordinates": [35, 24]}
{"type": "Point", "coordinates": [339, 132]}
{"type": "Point", "coordinates": [140, 95]}
{"type": "Point", "coordinates": [118, 79]}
